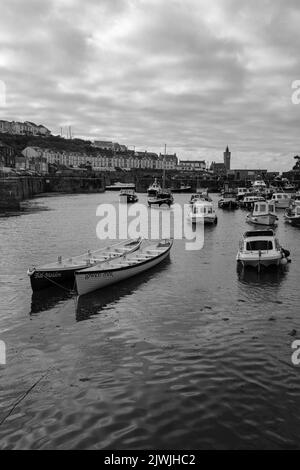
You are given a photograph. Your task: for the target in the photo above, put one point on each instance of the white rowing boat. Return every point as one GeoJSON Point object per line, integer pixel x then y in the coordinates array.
{"type": "Point", "coordinates": [117, 270]}
{"type": "Point", "coordinates": [63, 269]}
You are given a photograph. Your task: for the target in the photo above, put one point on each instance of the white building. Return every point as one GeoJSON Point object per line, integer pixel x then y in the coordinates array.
{"type": "Point", "coordinates": [23, 128]}
{"type": "Point", "coordinates": [192, 165]}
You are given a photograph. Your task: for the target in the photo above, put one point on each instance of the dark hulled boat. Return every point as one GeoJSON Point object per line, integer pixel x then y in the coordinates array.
{"type": "Point", "coordinates": [63, 270]}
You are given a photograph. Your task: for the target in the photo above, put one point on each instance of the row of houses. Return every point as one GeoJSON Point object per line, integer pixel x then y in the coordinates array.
{"type": "Point", "coordinates": [23, 128]}
{"type": "Point", "coordinates": [100, 161]}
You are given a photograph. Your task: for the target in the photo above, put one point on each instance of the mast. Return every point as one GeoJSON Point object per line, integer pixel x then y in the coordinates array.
{"type": "Point", "coordinates": [164, 168]}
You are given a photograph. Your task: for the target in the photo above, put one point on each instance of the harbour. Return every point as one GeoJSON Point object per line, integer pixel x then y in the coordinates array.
{"type": "Point", "coordinates": [191, 352]}
{"type": "Point", "coordinates": [150, 229]}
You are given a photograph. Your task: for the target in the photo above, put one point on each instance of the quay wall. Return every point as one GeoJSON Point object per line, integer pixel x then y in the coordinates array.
{"type": "Point", "coordinates": [13, 190]}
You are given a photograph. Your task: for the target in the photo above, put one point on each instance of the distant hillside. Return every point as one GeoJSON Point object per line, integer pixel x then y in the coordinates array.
{"type": "Point", "coordinates": [19, 142]}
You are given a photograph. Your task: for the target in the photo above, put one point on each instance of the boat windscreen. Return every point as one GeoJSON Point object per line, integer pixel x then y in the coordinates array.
{"type": "Point", "coordinates": [257, 245]}
{"type": "Point", "coordinates": [259, 233]}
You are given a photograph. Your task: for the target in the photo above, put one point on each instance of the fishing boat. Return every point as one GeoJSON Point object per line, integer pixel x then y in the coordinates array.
{"type": "Point", "coordinates": [157, 195]}
{"type": "Point", "coordinates": [292, 216]}
{"type": "Point", "coordinates": [116, 270]}
{"type": "Point", "coordinates": [228, 200]}
{"type": "Point", "coordinates": [263, 214]}
{"type": "Point", "coordinates": [160, 198]}
{"type": "Point", "coordinates": [63, 270]}
{"type": "Point", "coordinates": [261, 249]}
{"type": "Point", "coordinates": [203, 211]}
{"type": "Point", "coordinates": [281, 200]}
{"type": "Point", "coordinates": [128, 196]}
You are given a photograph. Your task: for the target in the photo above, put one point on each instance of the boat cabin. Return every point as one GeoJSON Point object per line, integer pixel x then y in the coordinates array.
{"type": "Point", "coordinates": [259, 240]}
{"type": "Point", "coordinates": [281, 197]}
{"type": "Point", "coordinates": [203, 208]}
{"type": "Point", "coordinates": [154, 189]}
{"type": "Point", "coordinates": [263, 208]}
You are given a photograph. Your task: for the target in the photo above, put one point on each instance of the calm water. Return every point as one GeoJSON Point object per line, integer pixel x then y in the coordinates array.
{"type": "Point", "coordinates": [190, 355]}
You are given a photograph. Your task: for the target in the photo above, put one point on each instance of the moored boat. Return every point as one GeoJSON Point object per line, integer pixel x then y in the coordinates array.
{"type": "Point", "coordinates": [203, 211]}
{"type": "Point", "coordinates": [248, 201]}
{"type": "Point", "coordinates": [119, 186]}
{"type": "Point", "coordinates": [63, 270]}
{"type": "Point", "coordinates": [292, 216]}
{"type": "Point", "coordinates": [157, 196]}
{"type": "Point", "coordinates": [261, 249]}
{"type": "Point", "coordinates": [242, 192]}
{"type": "Point", "coordinates": [259, 185]}
{"type": "Point", "coordinates": [128, 196]}
{"type": "Point", "coordinates": [228, 200]}
{"type": "Point", "coordinates": [201, 196]}
{"type": "Point", "coordinates": [117, 270]}
{"type": "Point", "coordinates": [281, 200]}
{"type": "Point", "coordinates": [263, 214]}
{"type": "Point", "coordinates": [183, 188]}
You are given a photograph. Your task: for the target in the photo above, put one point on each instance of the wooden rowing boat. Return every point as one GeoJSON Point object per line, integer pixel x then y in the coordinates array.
{"type": "Point", "coordinates": [63, 269]}
{"type": "Point", "coordinates": [117, 270]}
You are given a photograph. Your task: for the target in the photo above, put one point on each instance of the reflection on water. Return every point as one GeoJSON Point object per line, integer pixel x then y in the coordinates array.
{"type": "Point", "coordinates": [271, 276]}
{"type": "Point", "coordinates": [49, 298]}
{"type": "Point", "coordinates": [95, 302]}
{"type": "Point", "coordinates": [189, 355]}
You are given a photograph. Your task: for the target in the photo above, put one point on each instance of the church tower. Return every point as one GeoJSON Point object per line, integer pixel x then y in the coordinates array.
{"type": "Point", "coordinates": [227, 157]}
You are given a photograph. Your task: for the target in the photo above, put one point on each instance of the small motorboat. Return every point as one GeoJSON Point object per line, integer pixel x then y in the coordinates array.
{"type": "Point", "coordinates": [63, 270]}
{"type": "Point", "coordinates": [183, 188]}
{"type": "Point", "coordinates": [263, 214]}
{"type": "Point", "coordinates": [128, 196]}
{"type": "Point", "coordinates": [200, 196]}
{"type": "Point", "coordinates": [228, 200]}
{"type": "Point", "coordinates": [248, 201]}
{"type": "Point", "coordinates": [259, 185]}
{"type": "Point", "coordinates": [261, 249]}
{"type": "Point", "coordinates": [281, 200]}
{"type": "Point", "coordinates": [203, 211]}
{"type": "Point", "coordinates": [292, 216]}
{"type": "Point", "coordinates": [116, 270]}
{"type": "Point", "coordinates": [242, 192]}
{"type": "Point", "coordinates": [119, 186]}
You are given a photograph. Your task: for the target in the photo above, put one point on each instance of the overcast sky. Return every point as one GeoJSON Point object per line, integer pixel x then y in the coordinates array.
{"type": "Point", "coordinates": [194, 74]}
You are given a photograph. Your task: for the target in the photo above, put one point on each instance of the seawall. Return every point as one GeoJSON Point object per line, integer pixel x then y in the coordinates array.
{"type": "Point", "coordinates": [13, 190]}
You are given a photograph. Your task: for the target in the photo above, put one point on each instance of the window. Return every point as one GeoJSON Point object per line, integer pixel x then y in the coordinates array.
{"type": "Point", "coordinates": [257, 245]}
{"type": "Point", "coordinates": [263, 207]}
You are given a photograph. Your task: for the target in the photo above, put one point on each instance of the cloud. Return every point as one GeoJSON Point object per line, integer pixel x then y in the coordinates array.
{"type": "Point", "coordinates": [194, 74]}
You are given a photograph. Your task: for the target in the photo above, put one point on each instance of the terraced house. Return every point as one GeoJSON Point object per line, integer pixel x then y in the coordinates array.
{"type": "Point", "coordinates": [23, 128]}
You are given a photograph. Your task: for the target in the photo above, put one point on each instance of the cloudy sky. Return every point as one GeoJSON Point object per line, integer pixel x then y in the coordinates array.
{"type": "Point", "coordinates": [194, 74]}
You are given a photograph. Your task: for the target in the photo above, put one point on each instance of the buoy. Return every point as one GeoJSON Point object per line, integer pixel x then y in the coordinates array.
{"type": "Point", "coordinates": [283, 261]}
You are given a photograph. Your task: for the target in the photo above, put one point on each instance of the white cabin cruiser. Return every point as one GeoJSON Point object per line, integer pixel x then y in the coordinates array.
{"type": "Point", "coordinates": [263, 214]}
{"type": "Point", "coordinates": [248, 201]}
{"type": "Point", "coordinates": [203, 211]}
{"type": "Point", "coordinates": [282, 200]}
{"type": "Point", "coordinates": [261, 249]}
{"type": "Point", "coordinates": [242, 192]}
